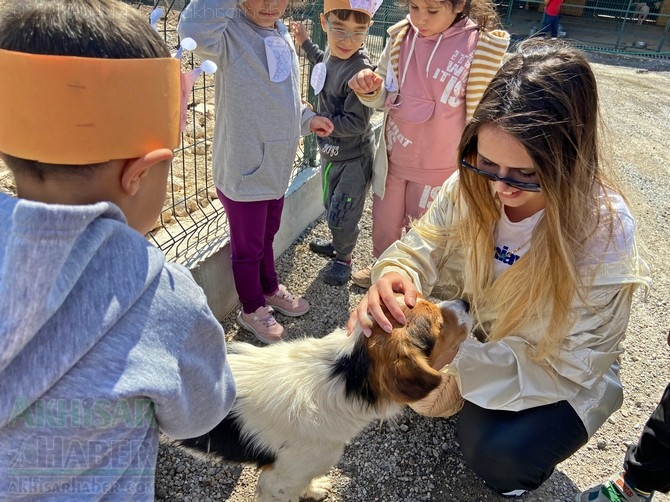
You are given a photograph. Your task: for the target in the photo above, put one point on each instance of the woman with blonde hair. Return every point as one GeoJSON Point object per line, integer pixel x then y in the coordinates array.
{"type": "Point", "coordinates": [541, 243]}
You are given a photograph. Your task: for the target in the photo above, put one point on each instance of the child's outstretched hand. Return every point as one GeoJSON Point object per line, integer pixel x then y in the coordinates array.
{"type": "Point", "coordinates": [321, 126]}
{"type": "Point", "coordinates": [299, 32]}
{"type": "Point", "coordinates": [365, 82]}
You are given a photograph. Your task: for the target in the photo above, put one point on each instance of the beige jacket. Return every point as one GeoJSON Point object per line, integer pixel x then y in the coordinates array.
{"type": "Point", "coordinates": [500, 375]}
{"type": "Point", "coordinates": [486, 61]}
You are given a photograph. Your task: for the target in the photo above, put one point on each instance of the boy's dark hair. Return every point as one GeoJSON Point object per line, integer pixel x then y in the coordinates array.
{"type": "Point", "coordinates": [83, 28]}
{"type": "Point", "coordinates": [344, 14]}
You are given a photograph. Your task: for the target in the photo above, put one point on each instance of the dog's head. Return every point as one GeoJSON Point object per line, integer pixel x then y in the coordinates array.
{"type": "Point", "coordinates": [401, 361]}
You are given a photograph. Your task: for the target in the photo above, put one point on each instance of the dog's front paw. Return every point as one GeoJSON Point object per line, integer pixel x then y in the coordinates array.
{"type": "Point", "coordinates": [318, 489]}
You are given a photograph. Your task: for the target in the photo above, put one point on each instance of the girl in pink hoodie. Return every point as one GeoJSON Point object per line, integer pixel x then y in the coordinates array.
{"type": "Point", "coordinates": [436, 65]}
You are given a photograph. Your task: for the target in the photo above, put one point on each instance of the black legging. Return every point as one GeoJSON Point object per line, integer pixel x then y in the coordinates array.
{"type": "Point", "coordinates": [512, 450]}
{"type": "Point", "coordinates": [648, 462]}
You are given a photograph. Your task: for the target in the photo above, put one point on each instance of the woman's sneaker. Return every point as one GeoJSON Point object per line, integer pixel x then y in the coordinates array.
{"type": "Point", "coordinates": [362, 278]}
{"type": "Point", "coordinates": [286, 303]}
{"type": "Point", "coordinates": [616, 489]}
{"type": "Point", "coordinates": [262, 324]}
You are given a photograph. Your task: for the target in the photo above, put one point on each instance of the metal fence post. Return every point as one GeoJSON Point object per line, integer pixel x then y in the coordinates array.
{"type": "Point", "coordinates": [319, 38]}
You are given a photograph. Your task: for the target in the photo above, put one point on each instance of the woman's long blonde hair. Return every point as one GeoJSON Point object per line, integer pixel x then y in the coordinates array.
{"type": "Point", "coordinates": [546, 97]}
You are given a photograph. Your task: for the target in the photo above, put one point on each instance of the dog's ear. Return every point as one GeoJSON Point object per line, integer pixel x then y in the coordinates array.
{"type": "Point", "coordinates": [413, 379]}
{"type": "Point", "coordinates": [401, 364]}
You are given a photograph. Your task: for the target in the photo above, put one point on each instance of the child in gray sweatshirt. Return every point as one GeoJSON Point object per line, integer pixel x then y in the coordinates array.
{"type": "Point", "coordinates": [259, 120]}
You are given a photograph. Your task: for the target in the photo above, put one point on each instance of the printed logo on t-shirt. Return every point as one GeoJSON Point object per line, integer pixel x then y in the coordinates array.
{"type": "Point", "coordinates": [455, 76]}
{"type": "Point", "coordinates": [504, 255]}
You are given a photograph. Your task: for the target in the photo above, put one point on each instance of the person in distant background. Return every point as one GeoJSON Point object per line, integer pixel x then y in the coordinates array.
{"type": "Point", "coordinates": [552, 9]}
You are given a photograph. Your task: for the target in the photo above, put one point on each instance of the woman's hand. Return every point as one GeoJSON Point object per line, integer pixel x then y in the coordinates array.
{"type": "Point", "coordinates": [383, 292]}
{"type": "Point", "coordinates": [365, 82]}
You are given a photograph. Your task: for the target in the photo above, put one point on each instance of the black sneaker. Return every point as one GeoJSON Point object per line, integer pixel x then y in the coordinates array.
{"type": "Point", "coordinates": [338, 273]}
{"type": "Point", "coordinates": [322, 247]}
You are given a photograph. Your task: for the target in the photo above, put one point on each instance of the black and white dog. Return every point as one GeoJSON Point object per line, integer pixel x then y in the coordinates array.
{"type": "Point", "coordinates": [299, 402]}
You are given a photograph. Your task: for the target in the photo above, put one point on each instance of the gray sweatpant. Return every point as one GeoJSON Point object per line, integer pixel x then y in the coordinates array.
{"type": "Point", "coordinates": [345, 186]}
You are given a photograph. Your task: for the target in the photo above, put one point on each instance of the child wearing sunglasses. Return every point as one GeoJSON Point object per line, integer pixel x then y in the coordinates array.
{"type": "Point", "coordinates": [346, 155]}
{"type": "Point", "coordinates": [541, 243]}
{"type": "Point", "coordinates": [431, 75]}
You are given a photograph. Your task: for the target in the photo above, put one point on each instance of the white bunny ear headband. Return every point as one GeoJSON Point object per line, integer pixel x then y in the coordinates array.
{"type": "Point", "coordinates": [76, 110]}
{"type": "Point", "coordinates": [366, 6]}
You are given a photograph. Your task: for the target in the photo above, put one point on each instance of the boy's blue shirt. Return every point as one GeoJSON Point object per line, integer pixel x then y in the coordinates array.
{"type": "Point", "coordinates": [101, 343]}
{"type": "Point", "coordinates": [352, 136]}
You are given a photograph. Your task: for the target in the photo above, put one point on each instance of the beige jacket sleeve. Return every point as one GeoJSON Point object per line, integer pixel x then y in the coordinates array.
{"type": "Point", "coordinates": [501, 375]}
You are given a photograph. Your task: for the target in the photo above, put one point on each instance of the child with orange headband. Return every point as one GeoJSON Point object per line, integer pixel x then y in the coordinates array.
{"type": "Point", "coordinates": [101, 341]}
{"type": "Point", "coordinates": [259, 120]}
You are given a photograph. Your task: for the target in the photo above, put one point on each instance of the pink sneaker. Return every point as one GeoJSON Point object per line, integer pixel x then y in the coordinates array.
{"type": "Point", "coordinates": [286, 303]}
{"type": "Point", "coordinates": [262, 324]}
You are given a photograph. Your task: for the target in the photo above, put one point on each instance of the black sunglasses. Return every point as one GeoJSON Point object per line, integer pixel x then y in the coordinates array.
{"type": "Point", "coordinates": [521, 185]}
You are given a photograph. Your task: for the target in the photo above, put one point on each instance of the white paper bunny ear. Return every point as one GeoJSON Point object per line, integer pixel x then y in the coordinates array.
{"type": "Point", "coordinates": [187, 43]}
{"type": "Point", "coordinates": [155, 16]}
{"type": "Point", "coordinates": [369, 6]}
{"type": "Point", "coordinates": [188, 78]}
{"type": "Point", "coordinates": [187, 82]}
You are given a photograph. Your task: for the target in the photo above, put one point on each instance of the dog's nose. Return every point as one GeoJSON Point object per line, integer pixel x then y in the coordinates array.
{"type": "Point", "coordinates": [466, 305]}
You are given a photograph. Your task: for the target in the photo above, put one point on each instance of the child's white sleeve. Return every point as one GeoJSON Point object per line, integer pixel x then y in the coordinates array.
{"type": "Point", "coordinates": [306, 119]}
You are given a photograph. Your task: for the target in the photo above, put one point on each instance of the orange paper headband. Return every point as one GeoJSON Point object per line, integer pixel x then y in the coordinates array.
{"type": "Point", "coordinates": [74, 110]}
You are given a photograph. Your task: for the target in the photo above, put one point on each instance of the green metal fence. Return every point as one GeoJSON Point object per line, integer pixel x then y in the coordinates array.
{"type": "Point", "coordinates": [618, 26]}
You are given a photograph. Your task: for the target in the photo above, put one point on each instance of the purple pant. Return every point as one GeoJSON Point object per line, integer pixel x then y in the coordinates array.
{"type": "Point", "coordinates": [253, 226]}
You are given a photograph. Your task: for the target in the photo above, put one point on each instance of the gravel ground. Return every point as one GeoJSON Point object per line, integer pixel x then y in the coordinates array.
{"type": "Point", "coordinates": [415, 458]}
